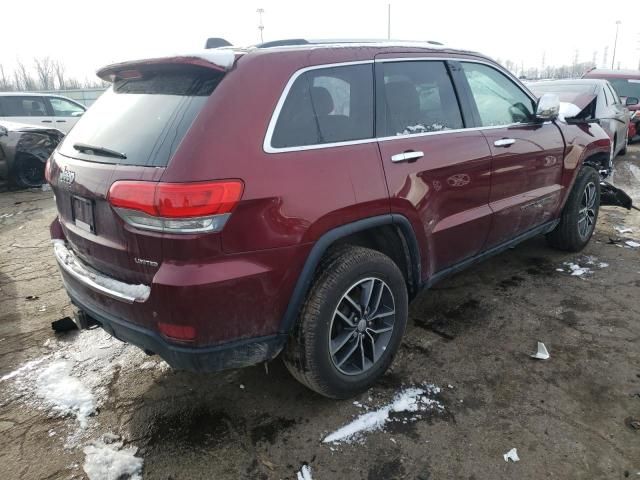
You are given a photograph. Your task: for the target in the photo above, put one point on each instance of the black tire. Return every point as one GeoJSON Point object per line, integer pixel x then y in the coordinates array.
{"type": "Point", "coordinates": [308, 355]}
{"type": "Point", "coordinates": [28, 172]}
{"type": "Point", "coordinates": [577, 224]}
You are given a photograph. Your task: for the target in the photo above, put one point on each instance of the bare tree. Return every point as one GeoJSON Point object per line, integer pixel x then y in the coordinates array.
{"type": "Point", "coordinates": [45, 72]}
{"type": "Point", "coordinates": [5, 84]}
{"type": "Point", "coordinates": [23, 78]}
{"type": "Point", "coordinates": [59, 72]}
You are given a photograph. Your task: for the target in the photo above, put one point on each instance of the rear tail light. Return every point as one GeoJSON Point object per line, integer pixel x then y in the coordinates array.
{"type": "Point", "coordinates": [175, 207]}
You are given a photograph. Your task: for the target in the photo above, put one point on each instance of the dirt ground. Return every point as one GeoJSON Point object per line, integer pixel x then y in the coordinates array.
{"type": "Point", "coordinates": [569, 417]}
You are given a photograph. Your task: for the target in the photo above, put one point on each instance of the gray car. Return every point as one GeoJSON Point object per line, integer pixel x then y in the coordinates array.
{"type": "Point", "coordinates": [596, 99]}
{"type": "Point", "coordinates": [24, 150]}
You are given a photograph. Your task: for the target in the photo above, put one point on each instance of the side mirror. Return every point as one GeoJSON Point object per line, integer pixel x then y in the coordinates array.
{"type": "Point", "coordinates": [631, 101]}
{"type": "Point", "coordinates": [548, 107]}
{"type": "Point", "coordinates": [77, 114]}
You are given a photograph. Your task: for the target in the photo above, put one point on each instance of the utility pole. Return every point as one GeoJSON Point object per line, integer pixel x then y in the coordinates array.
{"type": "Point", "coordinates": [615, 44]}
{"type": "Point", "coordinates": [260, 24]}
{"type": "Point", "coordinates": [388, 21]}
{"type": "Point", "coordinates": [604, 56]}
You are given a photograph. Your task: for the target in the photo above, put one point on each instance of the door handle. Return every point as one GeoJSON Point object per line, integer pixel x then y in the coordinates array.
{"type": "Point", "coordinates": [504, 142]}
{"type": "Point", "coordinates": [61, 121]}
{"type": "Point", "coordinates": [47, 121]}
{"type": "Point", "coordinates": [406, 156]}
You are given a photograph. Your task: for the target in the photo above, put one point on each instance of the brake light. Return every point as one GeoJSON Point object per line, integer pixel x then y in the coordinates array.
{"type": "Point", "coordinates": [176, 207]}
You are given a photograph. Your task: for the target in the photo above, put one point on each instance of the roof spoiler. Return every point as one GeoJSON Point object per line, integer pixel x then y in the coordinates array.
{"type": "Point", "coordinates": [216, 42]}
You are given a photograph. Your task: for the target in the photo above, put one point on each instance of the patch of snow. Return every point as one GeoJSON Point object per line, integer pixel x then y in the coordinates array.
{"type": "Point", "coordinates": [603, 265]}
{"type": "Point", "coordinates": [413, 399]}
{"type": "Point", "coordinates": [623, 230]}
{"type": "Point", "coordinates": [108, 460]}
{"type": "Point", "coordinates": [576, 270]}
{"type": "Point", "coordinates": [27, 367]}
{"type": "Point", "coordinates": [632, 244]}
{"type": "Point", "coordinates": [511, 455]}
{"type": "Point", "coordinates": [65, 394]}
{"type": "Point", "coordinates": [73, 378]}
{"type": "Point", "coordinates": [305, 473]}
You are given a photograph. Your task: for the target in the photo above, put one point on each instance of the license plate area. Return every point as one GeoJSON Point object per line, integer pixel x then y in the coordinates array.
{"type": "Point", "coordinates": [82, 213]}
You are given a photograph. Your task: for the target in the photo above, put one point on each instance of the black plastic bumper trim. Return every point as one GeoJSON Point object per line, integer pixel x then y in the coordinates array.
{"type": "Point", "coordinates": [237, 354]}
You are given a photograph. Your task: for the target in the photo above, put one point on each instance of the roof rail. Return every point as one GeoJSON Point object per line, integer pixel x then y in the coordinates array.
{"type": "Point", "coordinates": [302, 41]}
{"type": "Point", "coordinates": [216, 42]}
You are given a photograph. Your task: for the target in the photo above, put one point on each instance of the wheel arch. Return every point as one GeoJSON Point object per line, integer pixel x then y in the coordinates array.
{"type": "Point", "coordinates": [373, 232]}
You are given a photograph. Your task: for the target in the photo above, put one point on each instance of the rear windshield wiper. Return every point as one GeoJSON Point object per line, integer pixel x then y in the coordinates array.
{"type": "Point", "coordinates": [100, 151]}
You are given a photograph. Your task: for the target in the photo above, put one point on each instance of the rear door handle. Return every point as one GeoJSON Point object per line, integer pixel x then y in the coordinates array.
{"type": "Point", "coordinates": [406, 156]}
{"type": "Point", "coordinates": [61, 121]}
{"type": "Point", "coordinates": [46, 121]}
{"type": "Point", "coordinates": [504, 142]}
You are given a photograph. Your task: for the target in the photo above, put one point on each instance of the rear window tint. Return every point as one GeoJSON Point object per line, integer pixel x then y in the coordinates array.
{"type": "Point", "coordinates": [327, 105]}
{"type": "Point", "coordinates": [145, 119]}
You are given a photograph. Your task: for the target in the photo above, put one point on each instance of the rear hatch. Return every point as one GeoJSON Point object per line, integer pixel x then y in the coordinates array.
{"type": "Point", "coordinates": [130, 133]}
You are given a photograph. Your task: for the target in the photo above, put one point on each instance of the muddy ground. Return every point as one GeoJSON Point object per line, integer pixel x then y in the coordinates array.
{"type": "Point", "coordinates": [569, 417]}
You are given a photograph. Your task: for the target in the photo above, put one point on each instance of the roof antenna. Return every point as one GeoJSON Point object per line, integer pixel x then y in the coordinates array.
{"type": "Point", "coordinates": [216, 43]}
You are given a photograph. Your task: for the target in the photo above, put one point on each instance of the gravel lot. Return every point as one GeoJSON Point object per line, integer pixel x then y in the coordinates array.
{"type": "Point", "coordinates": [571, 416]}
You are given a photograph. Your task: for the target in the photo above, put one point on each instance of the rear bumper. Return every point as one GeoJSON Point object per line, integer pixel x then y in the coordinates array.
{"type": "Point", "coordinates": [237, 354]}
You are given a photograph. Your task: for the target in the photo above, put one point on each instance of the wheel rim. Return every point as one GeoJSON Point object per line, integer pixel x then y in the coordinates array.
{"type": "Point", "coordinates": [31, 173]}
{"type": "Point", "coordinates": [587, 213]}
{"type": "Point", "coordinates": [362, 326]}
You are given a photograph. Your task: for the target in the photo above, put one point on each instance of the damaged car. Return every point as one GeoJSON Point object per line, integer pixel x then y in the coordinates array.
{"type": "Point", "coordinates": [24, 150]}
{"type": "Point", "coordinates": [593, 99]}
{"type": "Point", "coordinates": [301, 222]}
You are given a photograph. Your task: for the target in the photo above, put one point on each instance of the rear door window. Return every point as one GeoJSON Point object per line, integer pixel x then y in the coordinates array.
{"type": "Point", "coordinates": [143, 118]}
{"type": "Point", "coordinates": [418, 98]}
{"type": "Point", "coordinates": [15, 106]}
{"type": "Point", "coordinates": [327, 105]}
{"type": "Point", "coordinates": [498, 99]}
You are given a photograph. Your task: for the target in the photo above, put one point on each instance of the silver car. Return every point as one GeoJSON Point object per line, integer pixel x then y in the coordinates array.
{"type": "Point", "coordinates": [41, 110]}
{"type": "Point", "coordinates": [595, 99]}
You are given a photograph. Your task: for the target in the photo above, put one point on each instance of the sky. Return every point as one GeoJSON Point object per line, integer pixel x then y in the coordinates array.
{"type": "Point", "coordinates": [88, 34]}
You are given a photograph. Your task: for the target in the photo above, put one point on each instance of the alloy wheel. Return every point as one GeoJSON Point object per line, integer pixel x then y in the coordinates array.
{"type": "Point", "coordinates": [362, 326]}
{"type": "Point", "coordinates": [587, 212]}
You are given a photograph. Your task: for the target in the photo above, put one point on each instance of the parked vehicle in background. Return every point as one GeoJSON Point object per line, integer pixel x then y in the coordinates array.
{"type": "Point", "coordinates": [594, 99]}
{"type": "Point", "coordinates": [627, 84]}
{"type": "Point", "coordinates": [42, 110]}
{"type": "Point", "coordinates": [236, 226]}
{"type": "Point", "coordinates": [24, 149]}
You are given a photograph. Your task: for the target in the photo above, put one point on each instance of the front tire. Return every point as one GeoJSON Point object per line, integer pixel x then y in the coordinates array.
{"type": "Point", "coordinates": [580, 213]}
{"type": "Point", "coordinates": [351, 325]}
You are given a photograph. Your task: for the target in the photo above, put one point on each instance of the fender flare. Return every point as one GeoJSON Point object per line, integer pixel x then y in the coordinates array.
{"type": "Point", "coordinates": [303, 284]}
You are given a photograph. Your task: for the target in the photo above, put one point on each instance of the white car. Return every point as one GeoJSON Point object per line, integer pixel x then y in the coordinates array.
{"type": "Point", "coordinates": [40, 109]}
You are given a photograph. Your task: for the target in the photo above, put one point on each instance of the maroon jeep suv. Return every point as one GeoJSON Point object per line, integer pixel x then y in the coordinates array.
{"type": "Point", "coordinates": [223, 208]}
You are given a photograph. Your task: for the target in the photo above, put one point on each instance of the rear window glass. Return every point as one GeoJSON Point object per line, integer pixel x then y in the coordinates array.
{"type": "Point", "coordinates": [575, 88]}
{"type": "Point", "coordinates": [144, 118]}
{"type": "Point", "coordinates": [625, 87]}
{"type": "Point", "coordinates": [327, 105]}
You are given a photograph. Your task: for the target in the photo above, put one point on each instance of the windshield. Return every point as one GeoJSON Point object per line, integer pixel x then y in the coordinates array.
{"type": "Point", "coordinates": [144, 118]}
{"type": "Point", "coordinates": [626, 87]}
